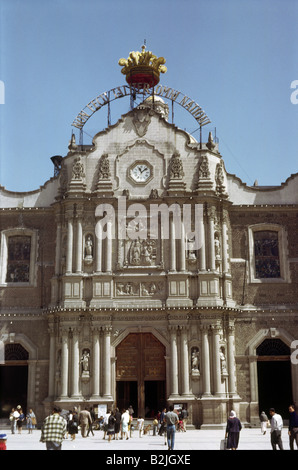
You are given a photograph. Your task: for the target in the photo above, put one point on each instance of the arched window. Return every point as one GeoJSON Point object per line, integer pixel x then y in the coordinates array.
{"type": "Point", "coordinates": [18, 254]}
{"type": "Point", "coordinates": [266, 251]}
{"type": "Point", "coordinates": [268, 254]}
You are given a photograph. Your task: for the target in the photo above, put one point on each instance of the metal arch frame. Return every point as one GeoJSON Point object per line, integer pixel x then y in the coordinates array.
{"type": "Point", "coordinates": [125, 90]}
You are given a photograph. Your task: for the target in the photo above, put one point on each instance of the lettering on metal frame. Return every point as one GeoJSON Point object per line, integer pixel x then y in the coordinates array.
{"type": "Point", "coordinates": [124, 90]}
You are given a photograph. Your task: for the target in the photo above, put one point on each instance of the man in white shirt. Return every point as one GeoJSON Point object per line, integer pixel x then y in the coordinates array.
{"type": "Point", "coordinates": [276, 423]}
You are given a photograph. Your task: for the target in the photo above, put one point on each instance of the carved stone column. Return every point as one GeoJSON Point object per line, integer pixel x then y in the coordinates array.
{"type": "Point", "coordinates": [174, 361]}
{"type": "Point", "coordinates": [216, 359]}
{"type": "Point", "coordinates": [206, 361]}
{"type": "Point", "coordinates": [172, 245]}
{"type": "Point", "coordinates": [231, 361]}
{"type": "Point", "coordinates": [58, 249]}
{"type": "Point", "coordinates": [109, 242]}
{"type": "Point", "coordinates": [212, 266]}
{"type": "Point", "coordinates": [69, 248]}
{"type": "Point", "coordinates": [95, 363]}
{"type": "Point", "coordinates": [184, 360]}
{"type": "Point", "coordinates": [52, 362]}
{"type": "Point", "coordinates": [182, 248]}
{"type": "Point", "coordinates": [202, 244]}
{"type": "Point", "coordinates": [64, 364]}
{"type": "Point", "coordinates": [107, 361]}
{"type": "Point", "coordinates": [79, 247]}
{"type": "Point", "coordinates": [75, 364]}
{"type": "Point", "coordinates": [225, 266]}
{"type": "Point", "coordinates": [98, 250]}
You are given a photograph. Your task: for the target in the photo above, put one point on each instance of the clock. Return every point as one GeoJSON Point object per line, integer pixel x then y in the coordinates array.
{"type": "Point", "coordinates": [140, 172]}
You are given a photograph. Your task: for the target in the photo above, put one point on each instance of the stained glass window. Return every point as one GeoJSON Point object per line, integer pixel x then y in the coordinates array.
{"type": "Point", "coordinates": [267, 262]}
{"type": "Point", "coordinates": [18, 259]}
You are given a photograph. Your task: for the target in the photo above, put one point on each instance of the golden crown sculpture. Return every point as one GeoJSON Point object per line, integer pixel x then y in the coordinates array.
{"type": "Point", "coordinates": [142, 68]}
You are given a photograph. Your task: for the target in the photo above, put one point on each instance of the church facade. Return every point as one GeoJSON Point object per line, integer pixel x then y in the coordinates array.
{"type": "Point", "coordinates": [143, 273]}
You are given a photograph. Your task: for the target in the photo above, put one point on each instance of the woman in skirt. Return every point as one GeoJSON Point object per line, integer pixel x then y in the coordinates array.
{"type": "Point", "coordinates": [111, 426]}
{"type": "Point", "coordinates": [233, 431]}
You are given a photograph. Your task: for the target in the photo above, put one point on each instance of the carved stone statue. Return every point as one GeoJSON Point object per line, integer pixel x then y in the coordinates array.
{"type": "Point", "coordinates": [89, 247]}
{"type": "Point", "coordinates": [195, 359]}
{"type": "Point", "coordinates": [223, 362]}
{"type": "Point", "coordinates": [85, 362]}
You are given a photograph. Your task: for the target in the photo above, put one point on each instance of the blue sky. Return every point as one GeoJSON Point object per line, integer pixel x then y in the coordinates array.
{"type": "Point", "coordinates": [235, 58]}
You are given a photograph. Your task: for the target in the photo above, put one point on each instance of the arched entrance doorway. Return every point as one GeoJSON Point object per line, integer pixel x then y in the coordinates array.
{"type": "Point", "coordinates": [13, 379]}
{"type": "Point", "coordinates": [141, 374]}
{"type": "Point", "coordinates": [274, 376]}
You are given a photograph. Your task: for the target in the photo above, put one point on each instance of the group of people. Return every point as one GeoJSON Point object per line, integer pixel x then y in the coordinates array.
{"type": "Point", "coordinates": [115, 424]}
{"type": "Point", "coordinates": [275, 422]}
{"type": "Point", "coordinates": [18, 418]}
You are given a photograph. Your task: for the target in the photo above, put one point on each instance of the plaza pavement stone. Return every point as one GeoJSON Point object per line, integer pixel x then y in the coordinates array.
{"type": "Point", "coordinates": [191, 440]}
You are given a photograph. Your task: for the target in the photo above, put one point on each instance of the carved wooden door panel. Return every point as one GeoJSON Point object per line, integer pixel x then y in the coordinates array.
{"type": "Point", "coordinates": [140, 358]}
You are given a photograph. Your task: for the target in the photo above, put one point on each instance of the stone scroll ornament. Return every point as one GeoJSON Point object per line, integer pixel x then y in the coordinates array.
{"type": "Point", "coordinates": [176, 167]}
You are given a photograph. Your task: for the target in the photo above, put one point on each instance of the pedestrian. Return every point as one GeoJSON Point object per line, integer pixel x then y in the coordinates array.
{"type": "Point", "coordinates": [183, 417]}
{"type": "Point", "coordinates": [117, 423]}
{"type": "Point", "coordinates": [20, 421]}
{"type": "Point", "coordinates": [106, 423]}
{"type": "Point", "coordinates": [264, 422]}
{"type": "Point", "coordinates": [13, 417]}
{"type": "Point", "coordinates": [233, 429]}
{"type": "Point", "coordinates": [171, 420]}
{"type": "Point", "coordinates": [92, 414]}
{"type": "Point", "coordinates": [140, 425]}
{"type": "Point", "coordinates": [31, 421]}
{"type": "Point", "coordinates": [111, 426]}
{"type": "Point", "coordinates": [155, 425]}
{"type": "Point", "coordinates": [53, 430]}
{"type": "Point", "coordinates": [85, 421]}
{"type": "Point", "coordinates": [125, 420]}
{"type": "Point", "coordinates": [276, 423]}
{"type": "Point", "coordinates": [73, 424]}
{"type": "Point", "coordinates": [293, 427]}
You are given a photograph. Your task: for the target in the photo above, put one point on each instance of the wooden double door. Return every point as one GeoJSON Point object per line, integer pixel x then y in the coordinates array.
{"type": "Point", "coordinates": [141, 374]}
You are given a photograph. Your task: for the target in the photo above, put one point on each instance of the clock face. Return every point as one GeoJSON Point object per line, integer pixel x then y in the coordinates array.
{"type": "Point", "coordinates": [140, 172]}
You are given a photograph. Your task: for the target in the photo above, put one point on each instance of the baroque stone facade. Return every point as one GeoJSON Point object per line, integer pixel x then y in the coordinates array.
{"type": "Point", "coordinates": [144, 273]}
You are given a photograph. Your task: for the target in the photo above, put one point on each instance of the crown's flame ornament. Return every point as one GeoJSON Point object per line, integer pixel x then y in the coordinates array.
{"type": "Point", "coordinates": [142, 69]}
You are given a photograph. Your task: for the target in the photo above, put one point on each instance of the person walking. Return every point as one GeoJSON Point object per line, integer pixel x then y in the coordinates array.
{"type": "Point", "coordinates": [140, 425]}
{"type": "Point", "coordinates": [264, 421]}
{"type": "Point", "coordinates": [90, 429]}
{"type": "Point", "coordinates": [85, 421]}
{"type": "Point", "coordinates": [233, 429]}
{"type": "Point", "coordinates": [111, 426]}
{"type": "Point", "coordinates": [171, 419]}
{"type": "Point", "coordinates": [31, 421]}
{"type": "Point", "coordinates": [53, 430]}
{"type": "Point", "coordinates": [106, 423]}
{"type": "Point", "coordinates": [125, 420]}
{"type": "Point", "coordinates": [117, 423]}
{"type": "Point", "coordinates": [20, 421]}
{"type": "Point", "coordinates": [276, 423]}
{"type": "Point", "coordinates": [184, 416]}
{"type": "Point", "coordinates": [13, 417]}
{"type": "Point", "coordinates": [293, 427]}
{"type": "Point", "coordinates": [73, 424]}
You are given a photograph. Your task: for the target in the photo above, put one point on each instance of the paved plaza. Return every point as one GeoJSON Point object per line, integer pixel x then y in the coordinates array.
{"type": "Point", "coordinates": [192, 440]}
